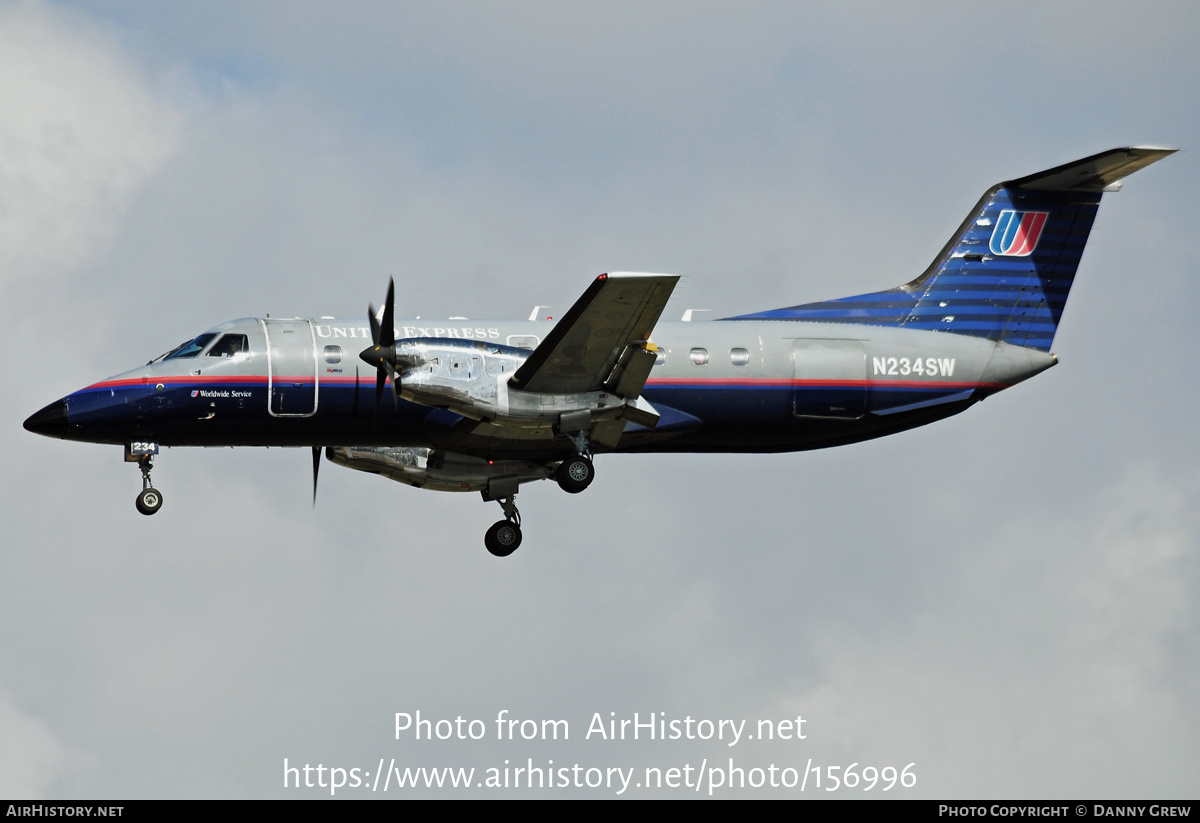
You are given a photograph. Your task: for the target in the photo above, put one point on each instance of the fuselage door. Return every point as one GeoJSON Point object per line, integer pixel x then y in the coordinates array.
{"type": "Point", "coordinates": [830, 378]}
{"type": "Point", "coordinates": [292, 382]}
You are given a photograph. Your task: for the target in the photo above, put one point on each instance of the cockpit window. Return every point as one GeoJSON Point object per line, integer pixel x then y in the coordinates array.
{"type": "Point", "coordinates": [230, 345]}
{"type": "Point", "coordinates": [192, 347]}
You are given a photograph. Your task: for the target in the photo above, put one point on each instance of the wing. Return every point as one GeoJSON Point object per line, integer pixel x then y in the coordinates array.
{"type": "Point", "coordinates": [581, 353]}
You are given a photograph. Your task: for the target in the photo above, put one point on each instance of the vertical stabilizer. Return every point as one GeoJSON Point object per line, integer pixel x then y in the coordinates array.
{"type": "Point", "coordinates": [1006, 273]}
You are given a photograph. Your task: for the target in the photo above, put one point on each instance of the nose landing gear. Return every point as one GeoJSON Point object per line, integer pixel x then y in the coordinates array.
{"type": "Point", "coordinates": [149, 499]}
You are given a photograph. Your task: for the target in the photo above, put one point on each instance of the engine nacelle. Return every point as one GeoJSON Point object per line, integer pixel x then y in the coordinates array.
{"type": "Point", "coordinates": [439, 470]}
{"type": "Point", "coordinates": [471, 378]}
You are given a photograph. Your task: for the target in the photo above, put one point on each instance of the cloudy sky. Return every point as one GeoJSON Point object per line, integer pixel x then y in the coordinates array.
{"type": "Point", "coordinates": [1007, 599]}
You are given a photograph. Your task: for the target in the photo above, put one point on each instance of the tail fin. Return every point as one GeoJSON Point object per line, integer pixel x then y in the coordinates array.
{"type": "Point", "coordinates": [1006, 272]}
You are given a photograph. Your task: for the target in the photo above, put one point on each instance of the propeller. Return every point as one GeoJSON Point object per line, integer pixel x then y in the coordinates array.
{"type": "Point", "coordinates": [316, 468]}
{"type": "Point", "coordinates": [382, 354]}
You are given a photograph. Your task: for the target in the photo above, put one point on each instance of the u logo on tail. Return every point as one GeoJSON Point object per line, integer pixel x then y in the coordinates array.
{"type": "Point", "coordinates": [1017, 232]}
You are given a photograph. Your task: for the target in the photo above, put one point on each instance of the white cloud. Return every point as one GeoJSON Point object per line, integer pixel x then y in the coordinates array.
{"type": "Point", "coordinates": [1047, 667]}
{"type": "Point", "coordinates": [81, 132]}
{"type": "Point", "coordinates": [30, 754]}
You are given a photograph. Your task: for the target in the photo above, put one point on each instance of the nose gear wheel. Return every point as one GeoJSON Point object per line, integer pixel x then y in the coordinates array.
{"type": "Point", "coordinates": [149, 501]}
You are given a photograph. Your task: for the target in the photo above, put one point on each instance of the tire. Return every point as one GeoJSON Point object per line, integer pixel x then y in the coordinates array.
{"type": "Point", "coordinates": [503, 538]}
{"type": "Point", "coordinates": [575, 474]}
{"type": "Point", "coordinates": [149, 501]}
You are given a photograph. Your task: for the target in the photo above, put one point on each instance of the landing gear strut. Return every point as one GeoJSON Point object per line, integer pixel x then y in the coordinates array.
{"type": "Point", "coordinates": [149, 499]}
{"type": "Point", "coordinates": [504, 537]}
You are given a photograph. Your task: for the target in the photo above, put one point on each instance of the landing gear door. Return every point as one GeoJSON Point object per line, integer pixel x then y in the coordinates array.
{"type": "Point", "coordinates": [830, 378]}
{"type": "Point", "coordinates": [292, 381]}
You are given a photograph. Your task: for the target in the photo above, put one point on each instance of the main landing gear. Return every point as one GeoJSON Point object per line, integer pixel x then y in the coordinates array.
{"type": "Point", "coordinates": [576, 473]}
{"type": "Point", "coordinates": [504, 537]}
{"type": "Point", "coordinates": [149, 500]}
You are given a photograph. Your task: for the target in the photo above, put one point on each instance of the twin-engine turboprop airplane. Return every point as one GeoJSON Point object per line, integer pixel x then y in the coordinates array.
{"type": "Point", "coordinates": [486, 406]}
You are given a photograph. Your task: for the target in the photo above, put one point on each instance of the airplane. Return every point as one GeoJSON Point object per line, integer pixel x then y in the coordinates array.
{"type": "Point", "coordinates": [486, 406]}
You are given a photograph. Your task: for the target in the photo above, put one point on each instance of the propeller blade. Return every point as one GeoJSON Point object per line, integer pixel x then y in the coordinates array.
{"type": "Point", "coordinates": [389, 324]}
{"type": "Point", "coordinates": [382, 353]}
{"type": "Point", "coordinates": [374, 323]}
{"type": "Point", "coordinates": [316, 469]}
{"type": "Point", "coordinates": [354, 412]}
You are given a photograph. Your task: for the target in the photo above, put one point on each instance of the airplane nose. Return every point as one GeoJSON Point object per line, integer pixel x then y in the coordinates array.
{"type": "Point", "coordinates": [50, 421]}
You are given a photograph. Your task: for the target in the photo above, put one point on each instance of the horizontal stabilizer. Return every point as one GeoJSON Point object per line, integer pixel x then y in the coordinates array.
{"type": "Point", "coordinates": [1096, 173]}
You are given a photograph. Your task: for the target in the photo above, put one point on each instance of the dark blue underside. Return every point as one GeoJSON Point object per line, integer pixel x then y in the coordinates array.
{"type": "Point", "coordinates": [704, 418]}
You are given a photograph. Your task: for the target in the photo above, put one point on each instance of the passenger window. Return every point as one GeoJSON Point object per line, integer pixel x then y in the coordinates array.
{"type": "Point", "coordinates": [230, 345]}
{"type": "Point", "coordinates": [739, 357]}
{"type": "Point", "coordinates": [523, 341]}
{"type": "Point", "coordinates": [333, 355]}
{"type": "Point", "coordinates": [660, 357]}
{"type": "Point", "coordinates": [700, 357]}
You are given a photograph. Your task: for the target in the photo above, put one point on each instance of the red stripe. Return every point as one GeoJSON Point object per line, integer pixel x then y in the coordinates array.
{"type": "Point", "coordinates": [752, 381]}
{"type": "Point", "coordinates": [1014, 248]}
{"type": "Point", "coordinates": [1028, 233]}
{"type": "Point", "coordinates": [715, 382]}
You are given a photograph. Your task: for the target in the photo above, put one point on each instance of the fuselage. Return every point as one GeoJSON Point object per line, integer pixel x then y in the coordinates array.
{"type": "Point", "coordinates": [718, 386]}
